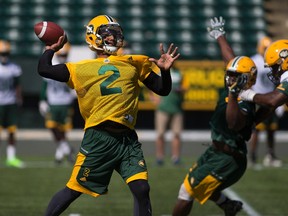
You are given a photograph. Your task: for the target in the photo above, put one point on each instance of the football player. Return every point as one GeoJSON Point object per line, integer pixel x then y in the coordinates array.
{"type": "Point", "coordinates": [107, 89]}
{"type": "Point", "coordinates": [55, 105]}
{"type": "Point", "coordinates": [10, 98]}
{"type": "Point", "coordinates": [276, 59]}
{"type": "Point", "coordinates": [225, 161]}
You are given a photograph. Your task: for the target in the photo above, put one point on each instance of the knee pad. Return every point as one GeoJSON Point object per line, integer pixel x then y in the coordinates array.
{"type": "Point", "coordinates": [183, 194]}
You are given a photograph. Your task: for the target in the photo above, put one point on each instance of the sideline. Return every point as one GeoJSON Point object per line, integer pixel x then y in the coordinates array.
{"type": "Point", "coordinates": [144, 135]}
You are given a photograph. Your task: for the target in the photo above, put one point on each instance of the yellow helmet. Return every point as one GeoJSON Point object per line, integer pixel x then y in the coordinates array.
{"type": "Point", "coordinates": [99, 31]}
{"type": "Point", "coordinates": [64, 51]}
{"type": "Point", "coordinates": [5, 46]}
{"type": "Point", "coordinates": [241, 65]}
{"type": "Point", "coordinates": [275, 57]}
{"type": "Point", "coordinates": [262, 45]}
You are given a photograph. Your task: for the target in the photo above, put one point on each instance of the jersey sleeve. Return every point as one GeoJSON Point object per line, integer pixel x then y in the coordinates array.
{"type": "Point", "coordinates": [144, 66]}
{"type": "Point", "coordinates": [71, 68]}
{"type": "Point", "coordinates": [283, 87]}
{"type": "Point", "coordinates": [248, 108]}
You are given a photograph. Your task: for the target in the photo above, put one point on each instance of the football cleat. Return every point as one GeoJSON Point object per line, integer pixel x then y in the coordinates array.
{"type": "Point", "coordinates": [231, 207]}
{"type": "Point", "coordinates": [271, 161]}
{"type": "Point", "coordinates": [15, 163]}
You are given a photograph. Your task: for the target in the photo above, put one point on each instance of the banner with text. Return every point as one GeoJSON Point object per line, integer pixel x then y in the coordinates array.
{"type": "Point", "coordinates": [203, 79]}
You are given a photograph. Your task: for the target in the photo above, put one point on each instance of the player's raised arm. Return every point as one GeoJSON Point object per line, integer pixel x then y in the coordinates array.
{"type": "Point", "coordinates": [161, 85]}
{"type": "Point", "coordinates": [216, 30]}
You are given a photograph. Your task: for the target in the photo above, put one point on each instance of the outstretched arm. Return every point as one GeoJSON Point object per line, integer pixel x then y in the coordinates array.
{"type": "Point", "coordinates": [272, 99]}
{"type": "Point", "coordinates": [235, 117]}
{"type": "Point", "coordinates": [226, 50]}
{"type": "Point", "coordinates": [161, 85]}
{"type": "Point", "coordinates": [216, 31]}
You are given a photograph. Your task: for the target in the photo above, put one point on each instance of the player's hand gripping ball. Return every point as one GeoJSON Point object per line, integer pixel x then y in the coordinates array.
{"type": "Point", "coordinates": [48, 32]}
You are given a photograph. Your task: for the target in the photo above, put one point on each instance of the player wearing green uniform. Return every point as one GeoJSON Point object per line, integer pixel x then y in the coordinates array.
{"type": "Point", "coordinates": [107, 89]}
{"type": "Point", "coordinates": [225, 161]}
{"type": "Point", "coordinates": [276, 59]}
{"type": "Point", "coordinates": [56, 100]}
{"type": "Point", "coordinates": [10, 98]}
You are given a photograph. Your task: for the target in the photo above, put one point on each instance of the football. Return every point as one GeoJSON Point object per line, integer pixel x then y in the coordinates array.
{"type": "Point", "coordinates": [48, 32]}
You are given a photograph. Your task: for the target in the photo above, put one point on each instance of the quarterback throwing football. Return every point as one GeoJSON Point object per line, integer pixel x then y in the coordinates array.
{"type": "Point", "coordinates": [107, 90]}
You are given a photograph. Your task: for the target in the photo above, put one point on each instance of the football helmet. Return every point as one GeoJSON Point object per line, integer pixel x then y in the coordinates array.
{"type": "Point", "coordinates": [104, 33]}
{"type": "Point", "coordinates": [276, 58]}
{"type": "Point", "coordinates": [241, 66]}
{"type": "Point", "coordinates": [262, 45]}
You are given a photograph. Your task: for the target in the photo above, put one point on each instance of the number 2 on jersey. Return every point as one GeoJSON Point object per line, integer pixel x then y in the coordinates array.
{"type": "Point", "coordinates": [105, 90]}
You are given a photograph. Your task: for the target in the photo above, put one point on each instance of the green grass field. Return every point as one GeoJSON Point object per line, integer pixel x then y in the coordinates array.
{"type": "Point", "coordinates": [27, 191]}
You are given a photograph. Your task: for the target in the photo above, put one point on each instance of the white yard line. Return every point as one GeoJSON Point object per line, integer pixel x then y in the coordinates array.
{"type": "Point", "coordinates": [246, 207]}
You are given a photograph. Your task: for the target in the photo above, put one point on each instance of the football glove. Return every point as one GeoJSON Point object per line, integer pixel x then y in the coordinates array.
{"type": "Point", "coordinates": [247, 95]}
{"type": "Point", "coordinates": [216, 28]}
{"type": "Point", "coordinates": [241, 81]}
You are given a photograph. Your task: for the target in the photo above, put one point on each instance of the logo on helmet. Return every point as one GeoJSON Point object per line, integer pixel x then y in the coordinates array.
{"type": "Point", "coordinates": [283, 53]}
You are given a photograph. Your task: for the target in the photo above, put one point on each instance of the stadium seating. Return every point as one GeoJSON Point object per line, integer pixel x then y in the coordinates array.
{"type": "Point", "coordinates": [145, 23]}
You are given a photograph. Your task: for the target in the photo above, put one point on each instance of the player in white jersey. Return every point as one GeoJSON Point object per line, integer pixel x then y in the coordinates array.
{"type": "Point", "coordinates": [55, 105]}
{"type": "Point", "coordinates": [270, 125]}
{"type": "Point", "coordinates": [10, 98]}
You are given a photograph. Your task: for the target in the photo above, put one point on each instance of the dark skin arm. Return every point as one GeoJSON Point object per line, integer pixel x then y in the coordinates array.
{"type": "Point", "coordinates": [235, 117]}
{"type": "Point", "coordinates": [272, 99]}
{"type": "Point", "coordinates": [226, 50]}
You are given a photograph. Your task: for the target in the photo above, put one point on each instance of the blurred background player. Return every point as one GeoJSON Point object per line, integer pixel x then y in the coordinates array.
{"type": "Point", "coordinates": [55, 105]}
{"type": "Point", "coordinates": [270, 124]}
{"type": "Point", "coordinates": [10, 98]}
{"type": "Point", "coordinates": [169, 114]}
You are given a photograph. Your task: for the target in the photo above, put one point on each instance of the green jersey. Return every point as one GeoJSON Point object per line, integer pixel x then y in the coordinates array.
{"type": "Point", "coordinates": [219, 128]}
{"type": "Point", "coordinates": [172, 103]}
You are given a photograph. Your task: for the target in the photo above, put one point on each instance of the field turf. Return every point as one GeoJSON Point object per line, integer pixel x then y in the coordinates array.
{"type": "Point", "coordinates": [27, 191]}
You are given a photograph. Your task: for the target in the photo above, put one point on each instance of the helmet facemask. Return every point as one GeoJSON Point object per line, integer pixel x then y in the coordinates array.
{"type": "Point", "coordinates": [232, 76]}
{"type": "Point", "coordinates": [276, 58]}
{"type": "Point", "coordinates": [275, 73]}
{"type": "Point", "coordinates": [241, 66]}
{"type": "Point", "coordinates": [111, 37]}
{"type": "Point", "coordinates": [108, 37]}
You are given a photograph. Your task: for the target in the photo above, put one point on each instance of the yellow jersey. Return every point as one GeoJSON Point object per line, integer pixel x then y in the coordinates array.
{"type": "Point", "coordinates": [108, 88]}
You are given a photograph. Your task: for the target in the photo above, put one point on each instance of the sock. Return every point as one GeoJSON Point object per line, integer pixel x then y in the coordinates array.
{"type": "Point", "coordinates": [11, 152]}
{"type": "Point", "coordinates": [221, 199]}
{"type": "Point", "coordinates": [59, 154]}
{"type": "Point", "coordinates": [60, 201]}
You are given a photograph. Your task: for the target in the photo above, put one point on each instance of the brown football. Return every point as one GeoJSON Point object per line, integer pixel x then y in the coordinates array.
{"type": "Point", "coordinates": [48, 32]}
